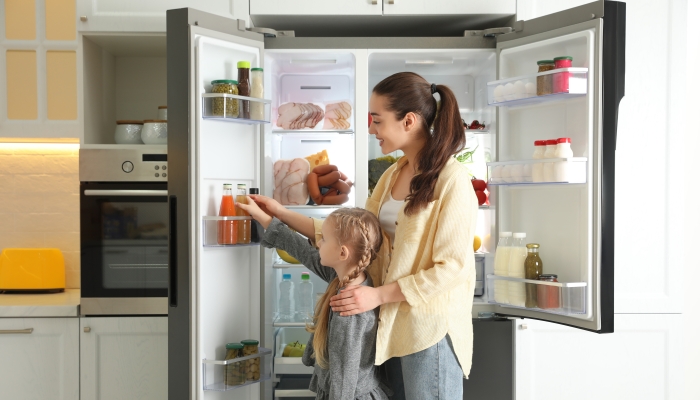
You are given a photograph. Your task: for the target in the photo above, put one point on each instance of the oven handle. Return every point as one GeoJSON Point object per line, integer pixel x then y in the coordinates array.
{"type": "Point", "coordinates": [172, 250]}
{"type": "Point", "coordinates": [97, 192]}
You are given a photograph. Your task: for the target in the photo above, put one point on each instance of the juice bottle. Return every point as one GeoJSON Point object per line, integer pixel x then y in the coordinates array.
{"type": "Point", "coordinates": [227, 230]}
{"type": "Point", "coordinates": [243, 226]}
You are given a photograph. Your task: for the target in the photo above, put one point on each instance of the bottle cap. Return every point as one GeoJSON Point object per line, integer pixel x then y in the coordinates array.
{"type": "Point", "coordinates": [227, 186]}
{"type": "Point", "coordinates": [243, 64]}
{"type": "Point", "coordinates": [540, 142]}
{"type": "Point", "coordinates": [286, 276]}
{"type": "Point", "coordinates": [545, 62]}
{"type": "Point", "coordinates": [304, 276]}
{"type": "Point", "coordinates": [254, 191]}
{"type": "Point", "coordinates": [548, 276]}
{"type": "Point", "coordinates": [563, 58]}
{"type": "Point", "coordinates": [241, 186]}
{"type": "Point", "coordinates": [249, 342]}
{"type": "Point", "coordinates": [234, 346]}
{"type": "Point", "coordinates": [519, 235]}
{"type": "Point", "coordinates": [551, 142]}
{"type": "Point", "coordinates": [532, 246]}
{"type": "Point", "coordinates": [505, 234]}
{"type": "Point", "coordinates": [226, 81]}
{"type": "Point", "coordinates": [256, 69]}
{"type": "Point", "coordinates": [564, 140]}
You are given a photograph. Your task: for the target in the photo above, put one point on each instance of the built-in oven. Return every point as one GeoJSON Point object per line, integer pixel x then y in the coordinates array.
{"type": "Point", "coordinates": [123, 231]}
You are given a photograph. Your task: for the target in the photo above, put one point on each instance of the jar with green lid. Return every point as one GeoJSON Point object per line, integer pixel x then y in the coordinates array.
{"type": "Point", "coordinates": [222, 106]}
{"type": "Point", "coordinates": [544, 82]}
{"type": "Point", "coordinates": [252, 370]}
{"type": "Point", "coordinates": [234, 373]}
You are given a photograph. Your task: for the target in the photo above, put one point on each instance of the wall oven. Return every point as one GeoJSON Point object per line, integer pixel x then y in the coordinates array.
{"type": "Point", "coordinates": [123, 230]}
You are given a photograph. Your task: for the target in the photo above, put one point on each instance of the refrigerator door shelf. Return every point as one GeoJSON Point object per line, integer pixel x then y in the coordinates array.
{"type": "Point", "coordinates": [305, 131]}
{"type": "Point", "coordinates": [227, 107]}
{"type": "Point", "coordinates": [210, 226]}
{"type": "Point", "coordinates": [564, 171]}
{"type": "Point", "coordinates": [214, 370]}
{"type": "Point", "coordinates": [565, 298]}
{"type": "Point", "coordinates": [562, 83]}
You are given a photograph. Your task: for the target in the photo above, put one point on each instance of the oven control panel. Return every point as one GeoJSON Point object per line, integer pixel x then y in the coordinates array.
{"type": "Point", "coordinates": [137, 164]}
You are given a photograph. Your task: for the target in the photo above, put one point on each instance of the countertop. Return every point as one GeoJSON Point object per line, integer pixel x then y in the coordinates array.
{"type": "Point", "coordinates": [40, 305]}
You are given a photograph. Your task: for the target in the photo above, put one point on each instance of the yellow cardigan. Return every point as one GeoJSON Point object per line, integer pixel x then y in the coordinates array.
{"type": "Point", "coordinates": [433, 261]}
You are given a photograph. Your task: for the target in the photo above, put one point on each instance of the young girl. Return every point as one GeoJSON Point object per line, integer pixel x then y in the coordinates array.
{"type": "Point", "coordinates": [341, 349]}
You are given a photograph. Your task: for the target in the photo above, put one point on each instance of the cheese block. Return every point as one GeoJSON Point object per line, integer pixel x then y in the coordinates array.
{"type": "Point", "coordinates": [320, 158]}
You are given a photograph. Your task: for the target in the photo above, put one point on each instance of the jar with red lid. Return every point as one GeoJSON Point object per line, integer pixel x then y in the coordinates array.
{"type": "Point", "coordinates": [548, 295]}
{"type": "Point", "coordinates": [561, 79]}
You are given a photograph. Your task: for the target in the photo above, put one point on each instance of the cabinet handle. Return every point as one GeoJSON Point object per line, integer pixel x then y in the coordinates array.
{"type": "Point", "coordinates": [83, 18]}
{"type": "Point", "coordinates": [391, 1]}
{"type": "Point", "coordinates": [86, 329]}
{"type": "Point", "coordinates": [523, 327]}
{"type": "Point", "coordinates": [374, 2]}
{"type": "Point", "coordinates": [16, 331]}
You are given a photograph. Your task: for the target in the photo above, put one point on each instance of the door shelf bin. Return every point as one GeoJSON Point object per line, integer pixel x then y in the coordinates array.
{"type": "Point", "coordinates": [564, 170]}
{"type": "Point", "coordinates": [210, 226]}
{"type": "Point", "coordinates": [221, 106]}
{"type": "Point", "coordinates": [214, 370]}
{"type": "Point", "coordinates": [517, 93]}
{"type": "Point", "coordinates": [564, 298]}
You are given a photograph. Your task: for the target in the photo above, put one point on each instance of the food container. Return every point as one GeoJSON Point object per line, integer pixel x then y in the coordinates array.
{"type": "Point", "coordinates": [222, 106]}
{"type": "Point", "coordinates": [163, 113]}
{"type": "Point", "coordinates": [155, 131]}
{"type": "Point", "coordinates": [544, 82]}
{"type": "Point", "coordinates": [128, 132]}
{"type": "Point", "coordinates": [548, 296]}
{"type": "Point", "coordinates": [252, 368]}
{"type": "Point", "coordinates": [561, 79]}
{"type": "Point", "coordinates": [234, 373]}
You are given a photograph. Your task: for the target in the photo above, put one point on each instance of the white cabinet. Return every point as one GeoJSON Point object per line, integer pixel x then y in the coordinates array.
{"type": "Point", "coordinates": [643, 359]}
{"type": "Point", "coordinates": [124, 358]}
{"type": "Point", "coordinates": [146, 16]}
{"type": "Point", "coordinates": [448, 7]}
{"type": "Point", "coordinates": [315, 7]}
{"type": "Point", "coordinates": [39, 358]}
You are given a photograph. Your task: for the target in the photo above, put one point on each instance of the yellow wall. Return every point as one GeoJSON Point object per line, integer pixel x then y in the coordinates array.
{"type": "Point", "coordinates": [20, 19]}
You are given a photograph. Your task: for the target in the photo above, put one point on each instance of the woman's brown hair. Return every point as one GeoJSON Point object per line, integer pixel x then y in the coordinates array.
{"type": "Point", "coordinates": [360, 231]}
{"type": "Point", "coordinates": [409, 92]}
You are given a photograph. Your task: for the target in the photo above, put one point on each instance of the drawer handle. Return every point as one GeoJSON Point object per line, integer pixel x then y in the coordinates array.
{"type": "Point", "coordinates": [87, 329]}
{"type": "Point", "coordinates": [16, 331]}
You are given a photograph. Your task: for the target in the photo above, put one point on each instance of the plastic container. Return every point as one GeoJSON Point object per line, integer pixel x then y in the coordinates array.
{"type": "Point", "coordinates": [305, 298]}
{"type": "Point", "coordinates": [561, 168]}
{"type": "Point", "coordinates": [538, 154]}
{"type": "Point", "coordinates": [234, 373]}
{"type": "Point", "coordinates": [244, 87]}
{"type": "Point", "coordinates": [548, 296]}
{"type": "Point", "coordinates": [560, 81]}
{"type": "Point", "coordinates": [227, 231]}
{"type": "Point", "coordinates": [516, 269]}
{"type": "Point", "coordinates": [155, 131]}
{"type": "Point", "coordinates": [244, 230]}
{"type": "Point", "coordinates": [533, 270]}
{"type": "Point", "coordinates": [257, 90]}
{"type": "Point", "coordinates": [252, 366]}
{"type": "Point", "coordinates": [548, 168]}
{"type": "Point", "coordinates": [286, 299]}
{"type": "Point", "coordinates": [544, 82]}
{"type": "Point", "coordinates": [500, 265]}
{"type": "Point", "coordinates": [221, 106]}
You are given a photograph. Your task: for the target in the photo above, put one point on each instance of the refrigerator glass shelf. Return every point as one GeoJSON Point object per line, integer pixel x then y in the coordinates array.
{"type": "Point", "coordinates": [296, 322]}
{"type": "Point", "coordinates": [564, 83]}
{"type": "Point", "coordinates": [214, 371]}
{"type": "Point", "coordinates": [227, 107]}
{"type": "Point", "coordinates": [564, 171]}
{"type": "Point", "coordinates": [210, 228]}
{"type": "Point", "coordinates": [561, 298]}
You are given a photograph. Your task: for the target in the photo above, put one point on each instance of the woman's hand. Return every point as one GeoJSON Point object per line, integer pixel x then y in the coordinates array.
{"type": "Point", "coordinates": [268, 205]}
{"type": "Point", "coordinates": [355, 300]}
{"type": "Point", "coordinates": [254, 210]}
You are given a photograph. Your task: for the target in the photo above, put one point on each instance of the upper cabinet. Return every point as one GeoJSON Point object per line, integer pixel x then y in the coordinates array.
{"type": "Point", "coordinates": [316, 7]}
{"type": "Point", "coordinates": [448, 7]}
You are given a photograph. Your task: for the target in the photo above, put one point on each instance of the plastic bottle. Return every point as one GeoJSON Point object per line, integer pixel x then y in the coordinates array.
{"type": "Point", "coordinates": [257, 109]}
{"type": "Point", "coordinates": [227, 231]}
{"type": "Point", "coordinates": [500, 265]}
{"type": "Point", "coordinates": [561, 168]}
{"type": "Point", "coordinates": [305, 298]}
{"type": "Point", "coordinates": [516, 269]}
{"type": "Point", "coordinates": [244, 225]}
{"type": "Point", "coordinates": [286, 299]}
{"type": "Point", "coordinates": [538, 154]}
{"type": "Point", "coordinates": [244, 87]}
{"type": "Point", "coordinates": [548, 169]}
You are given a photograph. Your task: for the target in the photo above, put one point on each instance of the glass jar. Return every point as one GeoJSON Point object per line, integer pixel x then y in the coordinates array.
{"type": "Point", "coordinates": [561, 79]}
{"type": "Point", "coordinates": [252, 369]}
{"type": "Point", "coordinates": [244, 87]}
{"type": "Point", "coordinates": [257, 108]}
{"type": "Point", "coordinates": [548, 296]}
{"type": "Point", "coordinates": [544, 82]}
{"type": "Point", "coordinates": [222, 106]}
{"type": "Point", "coordinates": [533, 270]}
{"type": "Point", "coordinates": [234, 373]}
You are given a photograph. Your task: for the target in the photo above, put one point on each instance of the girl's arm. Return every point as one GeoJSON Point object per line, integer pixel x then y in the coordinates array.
{"type": "Point", "coordinates": [294, 220]}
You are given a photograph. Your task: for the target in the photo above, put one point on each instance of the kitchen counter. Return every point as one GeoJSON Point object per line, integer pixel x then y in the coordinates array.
{"type": "Point", "coordinates": [40, 305]}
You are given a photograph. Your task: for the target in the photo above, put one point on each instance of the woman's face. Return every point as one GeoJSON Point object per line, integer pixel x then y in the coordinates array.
{"type": "Point", "coordinates": [392, 134]}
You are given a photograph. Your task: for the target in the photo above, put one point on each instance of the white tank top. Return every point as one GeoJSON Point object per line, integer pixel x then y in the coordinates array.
{"type": "Point", "coordinates": [389, 214]}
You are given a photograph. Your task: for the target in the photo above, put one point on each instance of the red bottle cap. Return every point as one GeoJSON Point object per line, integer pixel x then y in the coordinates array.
{"type": "Point", "coordinates": [540, 142]}
{"type": "Point", "coordinates": [564, 140]}
{"type": "Point", "coordinates": [551, 142]}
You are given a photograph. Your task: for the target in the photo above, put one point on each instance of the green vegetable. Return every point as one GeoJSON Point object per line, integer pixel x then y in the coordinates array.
{"type": "Point", "coordinates": [377, 168]}
{"type": "Point", "coordinates": [466, 156]}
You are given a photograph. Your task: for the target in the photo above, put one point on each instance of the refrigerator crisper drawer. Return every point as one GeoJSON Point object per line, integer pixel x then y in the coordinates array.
{"type": "Point", "coordinates": [554, 85]}
{"type": "Point", "coordinates": [290, 365]}
{"type": "Point", "coordinates": [552, 297]}
{"type": "Point", "coordinates": [214, 371]}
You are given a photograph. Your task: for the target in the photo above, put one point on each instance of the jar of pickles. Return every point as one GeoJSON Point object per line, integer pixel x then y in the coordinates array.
{"type": "Point", "coordinates": [223, 106]}
{"type": "Point", "coordinates": [252, 366]}
{"type": "Point", "coordinates": [544, 82]}
{"type": "Point", "coordinates": [234, 373]}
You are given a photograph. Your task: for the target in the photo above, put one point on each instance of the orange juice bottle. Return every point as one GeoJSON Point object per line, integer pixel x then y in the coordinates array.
{"type": "Point", "coordinates": [243, 226]}
{"type": "Point", "coordinates": [227, 230]}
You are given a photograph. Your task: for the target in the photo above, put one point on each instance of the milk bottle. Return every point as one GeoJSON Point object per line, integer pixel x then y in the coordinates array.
{"type": "Point", "coordinates": [516, 269]}
{"type": "Point", "coordinates": [500, 266]}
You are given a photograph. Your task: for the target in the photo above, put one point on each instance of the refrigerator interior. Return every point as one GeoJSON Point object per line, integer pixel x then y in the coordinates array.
{"type": "Point", "coordinates": [558, 216]}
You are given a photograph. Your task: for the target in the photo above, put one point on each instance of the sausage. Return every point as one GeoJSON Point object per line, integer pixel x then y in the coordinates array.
{"type": "Point", "coordinates": [314, 189]}
{"type": "Point", "coordinates": [329, 178]}
{"type": "Point", "coordinates": [324, 169]}
{"type": "Point", "coordinates": [336, 181]}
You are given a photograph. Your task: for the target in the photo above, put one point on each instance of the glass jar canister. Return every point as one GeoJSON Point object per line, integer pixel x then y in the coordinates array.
{"type": "Point", "coordinates": [244, 87]}
{"type": "Point", "coordinates": [257, 109]}
{"type": "Point", "coordinates": [234, 373]}
{"type": "Point", "coordinates": [561, 79]}
{"type": "Point", "coordinates": [533, 270]}
{"type": "Point", "coordinates": [544, 82]}
{"type": "Point", "coordinates": [252, 366]}
{"type": "Point", "coordinates": [548, 296]}
{"type": "Point", "coordinates": [222, 106]}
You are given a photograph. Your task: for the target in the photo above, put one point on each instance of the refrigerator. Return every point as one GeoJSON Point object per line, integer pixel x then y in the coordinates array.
{"type": "Point", "coordinates": [220, 294]}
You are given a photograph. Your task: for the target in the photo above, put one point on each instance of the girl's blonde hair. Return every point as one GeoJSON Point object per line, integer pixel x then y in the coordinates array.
{"type": "Point", "coordinates": [359, 230]}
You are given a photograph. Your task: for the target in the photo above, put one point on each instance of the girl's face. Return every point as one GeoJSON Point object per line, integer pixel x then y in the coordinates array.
{"type": "Point", "coordinates": [392, 134]}
{"type": "Point", "coordinates": [332, 253]}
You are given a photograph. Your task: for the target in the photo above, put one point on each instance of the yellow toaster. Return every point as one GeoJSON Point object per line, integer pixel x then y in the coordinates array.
{"type": "Point", "coordinates": [32, 269]}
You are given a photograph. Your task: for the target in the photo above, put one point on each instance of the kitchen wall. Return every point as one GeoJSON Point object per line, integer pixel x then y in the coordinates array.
{"type": "Point", "coordinates": [39, 200]}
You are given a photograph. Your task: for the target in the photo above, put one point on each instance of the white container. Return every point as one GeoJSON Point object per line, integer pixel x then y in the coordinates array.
{"type": "Point", "coordinates": [155, 132]}
{"type": "Point", "coordinates": [505, 173]}
{"type": "Point", "coordinates": [285, 308]}
{"type": "Point", "coordinates": [128, 132]}
{"type": "Point", "coordinates": [305, 297]}
{"type": "Point", "coordinates": [496, 174]}
{"type": "Point", "coordinates": [548, 169]}
{"type": "Point", "coordinates": [500, 265]}
{"type": "Point", "coordinates": [516, 269]}
{"type": "Point", "coordinates": [561, 168]}
{"type": "Point", "coordinates": [538, 154]}
{"type": "Point", "coordinates": [163, 113]}
{"type": "Point", "coordinates": [257, 109]}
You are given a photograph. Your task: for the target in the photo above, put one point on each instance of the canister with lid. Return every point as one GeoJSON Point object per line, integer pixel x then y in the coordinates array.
{"type": "Point", "coordinates": [544, 82]}
{"type": "Point", "coordinates": [252, 366]}
{"type": "Point", "coordinates": [222, 106]}
{"type": "Point", "coordinates": [560, 83]}
{"type": "Point", "coordinates": [234, 373]}
{"type": "Point", "coordinates": [548, 296]}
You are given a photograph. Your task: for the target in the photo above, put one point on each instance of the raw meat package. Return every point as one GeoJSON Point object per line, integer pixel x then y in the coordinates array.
{"type": "Point", "coordinates": [299, 115]}
{"type": "Point", "coordinates": [338, 115]}
{"type": "Point", "coordinates": [290, 181]}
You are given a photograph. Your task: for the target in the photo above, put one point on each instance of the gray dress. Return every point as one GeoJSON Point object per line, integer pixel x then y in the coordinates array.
{"type": "Point", "coordinates": [351, 373]}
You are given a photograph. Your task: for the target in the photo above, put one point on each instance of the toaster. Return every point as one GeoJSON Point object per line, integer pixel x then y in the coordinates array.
{"type": "Point", "coordinates": [32, 270]}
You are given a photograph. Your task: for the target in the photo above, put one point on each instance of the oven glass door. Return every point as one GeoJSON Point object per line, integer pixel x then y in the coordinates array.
{"type": "Point", "coordinates": [124, 239]}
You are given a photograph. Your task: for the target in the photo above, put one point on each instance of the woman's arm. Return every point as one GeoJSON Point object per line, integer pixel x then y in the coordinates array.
{"type": "Point", "coordinates": [358, 299]}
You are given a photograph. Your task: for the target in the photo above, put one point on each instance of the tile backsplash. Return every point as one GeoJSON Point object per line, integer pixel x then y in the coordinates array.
{"type": "Point", "coordinates": [40, 200]}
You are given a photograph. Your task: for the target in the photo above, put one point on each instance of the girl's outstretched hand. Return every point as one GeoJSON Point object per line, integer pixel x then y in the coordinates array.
{"type": "Point", "coordinates": [355, 300]}
{"type": "Point", "coordinates": [254, 210]}
{"type": "Point", "coordinates": [269, 205]}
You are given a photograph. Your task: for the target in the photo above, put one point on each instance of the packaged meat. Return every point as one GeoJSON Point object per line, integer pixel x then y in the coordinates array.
{"type": "Point", "coordinates": [299, 115]}
{"type": "Point", "coordinates": [290, 181]}
{"type": "Point", "coordinates": [337, 116]}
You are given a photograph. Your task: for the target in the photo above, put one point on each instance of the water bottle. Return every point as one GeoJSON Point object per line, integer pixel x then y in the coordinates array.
{"type": "Point", "coordinates": [305, 299]}
{"type": "Point", "coordinates": [286, 299]}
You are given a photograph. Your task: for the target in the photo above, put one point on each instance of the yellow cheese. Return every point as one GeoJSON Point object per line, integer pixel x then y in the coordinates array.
{"type": "Point", "coordinates": [320, 158]}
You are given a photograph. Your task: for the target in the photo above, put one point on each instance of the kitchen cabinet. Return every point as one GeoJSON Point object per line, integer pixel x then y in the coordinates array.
{"type": "Point", "coordinates": [124, 358]}
{"type": "Point", "coordinates": [447, 7]}
{"type": "Point", "coordinates": [315, 7]}
{"type": "Point", "coordinates": [39, 358]}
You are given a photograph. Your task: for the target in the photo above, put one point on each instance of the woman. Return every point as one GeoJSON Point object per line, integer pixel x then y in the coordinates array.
{"type": "Point", "coordinates": [424, 274]}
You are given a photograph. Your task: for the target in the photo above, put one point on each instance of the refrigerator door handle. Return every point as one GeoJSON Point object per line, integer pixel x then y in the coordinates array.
{"type": "Point", "coordinates": [172, 251]}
